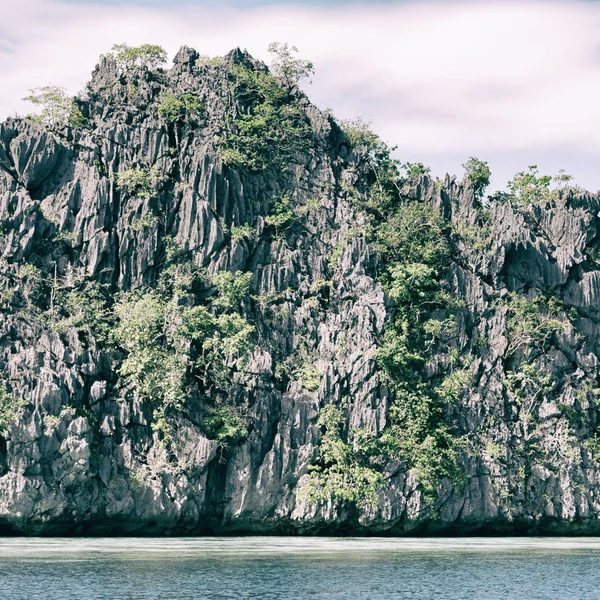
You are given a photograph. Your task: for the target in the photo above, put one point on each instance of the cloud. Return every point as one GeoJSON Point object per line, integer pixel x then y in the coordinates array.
{"type": "Point", "coordinates": [515, 83]}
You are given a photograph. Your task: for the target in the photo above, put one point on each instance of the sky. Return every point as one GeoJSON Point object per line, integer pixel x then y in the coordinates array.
{"type": "Point", "coordinates": [514, 83]}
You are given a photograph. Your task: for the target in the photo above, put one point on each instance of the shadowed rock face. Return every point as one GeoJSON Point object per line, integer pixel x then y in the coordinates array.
{"type": "Point", "coordinates": [67, 462]}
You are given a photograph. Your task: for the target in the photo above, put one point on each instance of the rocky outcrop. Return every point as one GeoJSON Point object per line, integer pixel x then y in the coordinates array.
{"type": "Point", "coordinates": [81, 455]}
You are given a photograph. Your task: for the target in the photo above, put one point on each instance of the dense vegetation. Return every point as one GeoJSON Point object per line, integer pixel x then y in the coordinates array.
{"type": "Point", "coordinates": [269, 126]}
{"type": "Point", "coordinates": [176, 348]}
{"type": "Point", "coordinates": [413, 244]}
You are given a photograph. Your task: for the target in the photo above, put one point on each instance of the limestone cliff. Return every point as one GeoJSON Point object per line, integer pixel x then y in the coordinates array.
{"type": "Point", "coordinates": [83, 449]}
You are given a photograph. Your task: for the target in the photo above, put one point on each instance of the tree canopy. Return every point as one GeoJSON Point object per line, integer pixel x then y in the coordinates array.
{"type": "Point", "coordinates": [146, 55]}
{"type": "Point", "coordinates": [288, 67]}
{"type": "Point", "coordinates": [57, 109]}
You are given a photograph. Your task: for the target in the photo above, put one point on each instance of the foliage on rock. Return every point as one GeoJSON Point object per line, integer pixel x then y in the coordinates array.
{"type": "Point", "coordinates": [56, 108]}
{"type": "Point", "coordinates": [127, 57]}
{"type": "Point", "coordinates": [176, 348]}
{"type": "Point", "coordinates": [173, 107]}
{"type": "Point", "coordinates": [269, 125]}
{"type": "Point", "coordinates": [345, 471]}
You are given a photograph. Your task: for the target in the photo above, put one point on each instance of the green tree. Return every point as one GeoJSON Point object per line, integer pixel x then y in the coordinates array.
{"type": "Point", "coordinates": [80, 304]}
{"type": "Point", "coordinates": [173, 107]}
{"type": "Point", "coordinates": [232, 289]}
{"type": "Point", "coordinates": [345, 471]}
{"type": "Point", "coordinates": [155, 364]}
{"type": "Point", "coordinates": [563, 179]}
{"type": "Point", "coordinates": [146, 55]}
{"type": "Point", "coordinates": [383, 189]}
{"type": "Point", "coordinates": [243, 232]}
{"type": "Point", "coordinates": [413, 244]}
{"type": "Point", "coordinates": [414, 170]}
{"type": "Point", "coordinates": [527, 187]}
{"type": "Point", "coordinates": [479, 174]}
{"type": "Point", "coordinates": [10, 408]}
{"type": "Point", "coordinates": [532, 322]}
{"type": "Point", "coordinates": [280, 216]}
{"type": "Point", "coordinates": [359, 134]}
{"type": "Point", "coordinates": [57, 109]}
{"type": "Point", "coordinates": [288, 67]}
{"type": "Point", "coordinates": [175, 349]}
{"type": "Point", "coordinates": [413, 233]}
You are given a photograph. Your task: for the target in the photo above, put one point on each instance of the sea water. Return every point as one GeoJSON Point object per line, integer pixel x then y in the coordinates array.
{"type": "Point", "coordinates": [300, 568]}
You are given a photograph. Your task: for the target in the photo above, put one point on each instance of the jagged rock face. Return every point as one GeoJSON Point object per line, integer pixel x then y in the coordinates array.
{"type": "Point", "coordinates": [66, 462]}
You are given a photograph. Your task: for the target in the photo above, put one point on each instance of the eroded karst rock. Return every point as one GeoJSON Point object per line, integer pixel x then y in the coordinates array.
{"type": "Point", "coordinates": [146, 191]}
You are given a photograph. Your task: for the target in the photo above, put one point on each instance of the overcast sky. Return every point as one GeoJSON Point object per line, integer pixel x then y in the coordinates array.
{"type": "Point", "coordinates": [513, 83]}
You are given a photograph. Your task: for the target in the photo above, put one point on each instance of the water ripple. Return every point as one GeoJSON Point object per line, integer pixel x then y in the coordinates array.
{"type": "Point", "coordinates": [300, 568]}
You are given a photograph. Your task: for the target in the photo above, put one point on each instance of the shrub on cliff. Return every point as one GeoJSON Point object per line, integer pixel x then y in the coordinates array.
{"type": "Point", "coordinates": [10, 408]}
{"type": "Point", "coordinates": [138, 181]}
{"type": "Point", "coordinates": [57, 109]}
{"type": "Point", "coordinates": [415, 170]}
{"type": "Point", "coordinates": [527, 187]}
{"type": "Point", "coordinates": [174, 107]}
{"type": "Point", "coordinates": [345, 471]}
{"type": "Point", "coordinates": [174, 346]}
{"type": "Point", "coordinates": [532, 322]}
{"type": "Point", "coordinates": [280, 216]}
{"type": "Point", "coordinates": [413, 244]}
{"type": "Point", "coordinates": [384, 170]}
{"type": "Point", "coordinates": [269, 125]}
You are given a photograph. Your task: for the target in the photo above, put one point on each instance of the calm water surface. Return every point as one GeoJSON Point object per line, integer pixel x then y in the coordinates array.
{"type": "Point", "coordinates": [300, 568]}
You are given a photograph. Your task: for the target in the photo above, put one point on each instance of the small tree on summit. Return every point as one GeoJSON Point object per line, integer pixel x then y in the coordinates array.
{"type": "Point", "coordinates": [288, 67]}
{"type": "Point", "coordinates": [527, 187]}
{"type": "Point", "coordinates": [479, 173]}
{"type": "Point", "coordinates": [146, 55]}
{"type": "Point", "coordinates": [414, 170]}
